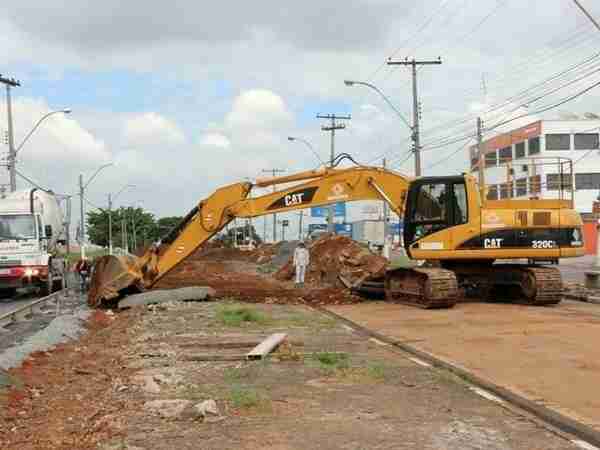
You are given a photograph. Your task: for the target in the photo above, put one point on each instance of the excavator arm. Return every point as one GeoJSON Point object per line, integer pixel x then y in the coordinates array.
{"type": "Point", "coordinates": [115, 276]}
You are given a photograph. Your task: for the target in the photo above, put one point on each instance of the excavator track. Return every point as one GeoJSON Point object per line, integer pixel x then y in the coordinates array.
{"type": "Point", "coordinates": [541, 285]}
{"type": "Point", "coordinates": [527, 285]}
{"type": "Point", "coordinates": [426, 288]}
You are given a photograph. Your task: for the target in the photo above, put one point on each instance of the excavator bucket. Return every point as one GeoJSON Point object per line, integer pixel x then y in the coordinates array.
{"type": "Point", "coordinates": [114, 276]}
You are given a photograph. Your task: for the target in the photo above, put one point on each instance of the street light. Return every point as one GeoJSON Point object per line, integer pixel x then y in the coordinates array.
{"type": "Point", "coordinates": [12, 151]}
{"type": "Point", "coordinates": [308, 144]}
{"type": "Point", "coordinates": [388, 101]}
{"type": "Point", "coordinates": [35, 127]}
{"type": "Point", "coordinates": [110, 200]}
{"type": "Point", "coordinates": [82, 189]}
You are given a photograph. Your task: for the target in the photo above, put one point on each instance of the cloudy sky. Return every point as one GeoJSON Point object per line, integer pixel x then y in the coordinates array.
{"type": "Point", "coordinates": [185, 97]}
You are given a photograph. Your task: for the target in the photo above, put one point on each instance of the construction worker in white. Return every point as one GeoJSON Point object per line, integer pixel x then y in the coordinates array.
{"type": "Point", "coordinates": [301, 261]}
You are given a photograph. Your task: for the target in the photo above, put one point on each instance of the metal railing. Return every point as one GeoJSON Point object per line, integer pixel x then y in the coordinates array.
{"type": "Point", "coordinates": [35, 306]}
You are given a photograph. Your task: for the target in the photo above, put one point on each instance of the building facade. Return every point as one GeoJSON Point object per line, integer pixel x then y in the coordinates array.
{"type": "Point", "coordinates": [545, 159]}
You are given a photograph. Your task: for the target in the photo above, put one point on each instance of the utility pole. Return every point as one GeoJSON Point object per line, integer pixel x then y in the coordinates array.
{"type": "Point", "coordinates": [134, 232]}
{"type": "Point", "coordinates": [416, 138]}
{"type": "Point", "coordinates": [82, 219]}
{"type": "Point", "coordinates": [300, 225]}
{"type": "Point", "coordinates": [12, 153]}
{"type": "Point", "coordinates": [332, 127]}
{"type": "Point", "coordinates": [588, 15]}
{"type": "Point", "coordinates": [110, 247]}
{"type": "Point", "coordinates": [481, 158]}
{"type": "Point", "coordinates": [274, 173]}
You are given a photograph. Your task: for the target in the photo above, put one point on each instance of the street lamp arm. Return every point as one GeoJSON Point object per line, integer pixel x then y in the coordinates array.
{"type": "Point", "coordinates": [387, 100]}
{"type": "Point", "coordinates": [121, 191]}
{"type": "Point", "coordinates": [96, 173]}
{"type": "Point", "coordinates": [35, 127]}
{"type": "Point", "coordinates": [308, 144]}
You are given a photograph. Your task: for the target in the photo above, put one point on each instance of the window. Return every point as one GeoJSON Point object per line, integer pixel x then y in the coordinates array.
{"type": "Point", "coordinates": [18, 226]}
{"type": "Point", "coordinates": [490, 159]}
{"type": "Point", "coordinates": [586, 141]}
{"type": "Point", "coordinates": [534, 146]}
{"type": "Point", "coordinates": [492, 193]}
{"type": "Point", "coordinates": [520, 150]}
{"type": "Point", "coordinates": [521, 186]}
{"type": "Point", "coordinates": [558, 142]}
{"type": "Point", "coordinates": [553, 181]}
{"type": "Point", "coordinates": [535, 184]}
{"type": "Point", "coordinates": [431, 203]}
{"type": "Point", "coordinates": [505, 155]}
{"type": "Point", "coordinates": [506, 190]}
{"type": "Point", "coordinates": [459, 204]}
{"type": "Point", "coordinates": [587, 181]}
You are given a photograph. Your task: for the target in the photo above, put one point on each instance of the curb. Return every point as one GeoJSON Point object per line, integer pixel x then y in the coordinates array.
{"type": "Point", "coordinates": [554, 418]}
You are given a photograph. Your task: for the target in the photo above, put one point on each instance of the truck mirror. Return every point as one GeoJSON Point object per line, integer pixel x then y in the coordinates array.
{"type": "Point", "coordinates": [48, 231]}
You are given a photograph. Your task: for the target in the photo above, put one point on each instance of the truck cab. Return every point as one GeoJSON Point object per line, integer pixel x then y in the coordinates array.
{"type": "Point", "coordinates": [27, 243]}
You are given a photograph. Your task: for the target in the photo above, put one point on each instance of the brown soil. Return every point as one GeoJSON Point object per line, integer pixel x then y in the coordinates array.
{"type": "Point", "coordinates": [332, 256]}
{"type": "Point", "coordinates": [234, 273]}
{"type": "Point", "coordinates": [69, 398]}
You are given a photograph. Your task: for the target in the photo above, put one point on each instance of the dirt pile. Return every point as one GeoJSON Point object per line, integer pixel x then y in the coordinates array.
{"type": "Point", "coordinates": [338, 261]}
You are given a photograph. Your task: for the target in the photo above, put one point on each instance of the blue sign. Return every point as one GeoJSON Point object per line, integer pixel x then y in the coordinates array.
{"type": "Point", "coordinates": [323, 211]}
{"type": "Point", "coordinates": [395, 228]}
{"type": "Point", "coordinates": [343, 229]}
{"type": "Point", "coordinates": [317, 227]}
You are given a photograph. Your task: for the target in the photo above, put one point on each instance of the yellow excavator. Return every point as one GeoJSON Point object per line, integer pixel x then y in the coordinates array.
{"type": "Point", "coordinates": [469, 243]}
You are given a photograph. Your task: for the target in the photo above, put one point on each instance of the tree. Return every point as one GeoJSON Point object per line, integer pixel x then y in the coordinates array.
{"type": "Point", "coordinates": [139, 225]}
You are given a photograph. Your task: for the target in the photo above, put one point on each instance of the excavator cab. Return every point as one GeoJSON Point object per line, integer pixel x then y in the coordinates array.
{"type": "Point", "coordinates": [434, 204]}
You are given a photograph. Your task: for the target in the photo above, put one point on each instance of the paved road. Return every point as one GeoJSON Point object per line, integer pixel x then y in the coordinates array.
{"type": "Point", "coordinates": [573, 269]}
{"type": "Point", "coordinates": [8, 304]}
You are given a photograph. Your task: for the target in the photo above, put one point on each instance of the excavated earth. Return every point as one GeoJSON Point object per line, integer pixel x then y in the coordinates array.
{"type": "Point", "coordinates": [258, 276]}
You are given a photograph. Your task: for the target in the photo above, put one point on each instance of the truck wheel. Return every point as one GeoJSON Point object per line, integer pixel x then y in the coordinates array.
{"type": "Point", "coordinates": [8, 292]}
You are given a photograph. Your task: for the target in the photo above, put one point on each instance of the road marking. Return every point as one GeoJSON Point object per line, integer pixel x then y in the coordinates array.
{"type": "Point", "coordinates": [584, 445]}
{"type": "Point", "coordinates": [378, 342]}
{"type": "Point", "coordinates": [486, 394]}
{"type": "Point", "coordinates": [420, 362]}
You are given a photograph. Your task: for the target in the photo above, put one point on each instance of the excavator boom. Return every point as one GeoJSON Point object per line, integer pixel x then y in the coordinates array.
{"type": "Point", "coordinates": [117, 275]}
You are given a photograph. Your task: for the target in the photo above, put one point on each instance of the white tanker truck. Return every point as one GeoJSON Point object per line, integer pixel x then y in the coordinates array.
{"type": "Point", "coordinates": [31, 229]}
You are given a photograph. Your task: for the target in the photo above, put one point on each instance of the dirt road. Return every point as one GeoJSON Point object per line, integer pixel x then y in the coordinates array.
{"type": "Point", "coordinates": [549, 355]}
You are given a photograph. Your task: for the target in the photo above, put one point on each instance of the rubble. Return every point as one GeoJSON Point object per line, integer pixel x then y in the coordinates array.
{"type": "Point", "coordinates": [191, 293]}
{"type": "Point", "coordinates": [332, 257]}
{"type": "Point", "coordinates": [173, 409]}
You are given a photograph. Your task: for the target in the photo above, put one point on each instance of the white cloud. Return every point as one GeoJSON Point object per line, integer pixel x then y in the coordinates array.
{"type": "Point", "coordinates": [152, 128]}
{"type": "Point", "coordinates": [257, 108]}
{"type": "Point", "coordinates": [215, 140]}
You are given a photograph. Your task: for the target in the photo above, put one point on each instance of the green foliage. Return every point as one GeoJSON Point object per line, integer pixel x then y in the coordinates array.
{"type": "Point", "coordinates": [376, 370]}
{"type": "Point", "coordinates": [148, 229]}
{"type": "Point", "coordinates": [235, 316]}
{"type": "Point", "coordinates": [332, 360]}
{"type": "Point", "coordinates": [244, 397]}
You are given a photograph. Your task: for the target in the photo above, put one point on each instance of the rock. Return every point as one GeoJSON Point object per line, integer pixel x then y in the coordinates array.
{"type": "Point", "coordinates": [207, 408]}
{"type": "Point", "coordinates": [148, 384]}
{"type": "Point", "coordinates": [172, 409]}
{"type": "Point", "coordinates": [193, 293]}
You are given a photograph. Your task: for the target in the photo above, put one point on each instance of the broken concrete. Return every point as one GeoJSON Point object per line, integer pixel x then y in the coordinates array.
{"type": "Point", "coordinates": [173, 409]}
{"type": "Point", "coordinates": [192, 293]}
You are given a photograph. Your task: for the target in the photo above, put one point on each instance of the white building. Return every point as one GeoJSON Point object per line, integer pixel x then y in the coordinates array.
{"type": "Point", "coordinates": [531, 161]}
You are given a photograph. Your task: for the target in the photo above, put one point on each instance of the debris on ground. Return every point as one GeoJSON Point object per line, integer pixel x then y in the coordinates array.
{"type": "Point", "coordinates": [332, 257]}
{"type": "Point", "coordinates": [191, 293]}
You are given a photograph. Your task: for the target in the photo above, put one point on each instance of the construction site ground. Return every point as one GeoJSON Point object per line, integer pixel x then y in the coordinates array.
{"type": "Point", "coordinates": [331, 388]}
{"type": "Point", "coordinates": [135, 379]}
{"type": "Point", "coordinates": [548, 354]}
